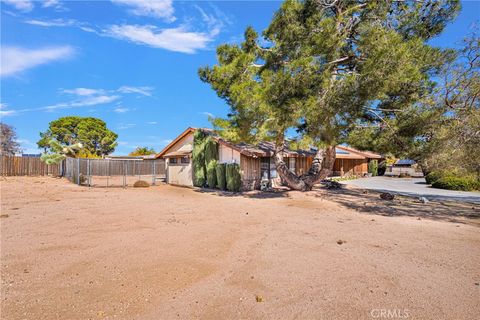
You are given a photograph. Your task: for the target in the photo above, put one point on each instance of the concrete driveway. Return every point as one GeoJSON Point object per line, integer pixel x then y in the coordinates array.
{"type": "Point", "coordinates": [412, 187]}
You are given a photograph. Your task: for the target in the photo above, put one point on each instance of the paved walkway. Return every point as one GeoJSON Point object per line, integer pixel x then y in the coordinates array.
{"type": "Point", "coordinates": [412, 187]}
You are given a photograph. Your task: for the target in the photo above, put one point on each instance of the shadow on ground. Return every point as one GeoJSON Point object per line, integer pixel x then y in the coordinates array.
{"type": "Point", "coordinates": [369, 202]}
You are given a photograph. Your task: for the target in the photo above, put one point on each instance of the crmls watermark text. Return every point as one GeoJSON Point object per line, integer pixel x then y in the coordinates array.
{"type": "Point", "coordinates": [390, 313]}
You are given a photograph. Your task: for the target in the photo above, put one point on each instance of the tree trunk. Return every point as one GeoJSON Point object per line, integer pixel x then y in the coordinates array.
{"type": "Point", "coordinates": [321, 167]}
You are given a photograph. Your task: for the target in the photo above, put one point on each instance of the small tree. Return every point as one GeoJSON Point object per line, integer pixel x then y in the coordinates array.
{"type": "Point", "coordinates": [373, 167]}
{"type": "Point", "coordinates": [212, 174]}
{"type": "Point", "coordinates": [142, 151]}
{"type": "Point", "coordinates": [8, 140]}
{"type": "Point", "coordinates": [198, 159]}
{"type": "Point", "coordinates": [59, 152]}
{"type": "Point", "coordinates": [234, 180]}
{"type": "Point", "coordinates": [221, 177]}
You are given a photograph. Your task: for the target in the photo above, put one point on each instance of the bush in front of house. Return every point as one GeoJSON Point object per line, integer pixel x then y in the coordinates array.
{"type": "Point", "coordinates": [198, 159]}
{"type": "Point", "coordinates": [373, 167]}
{"type": "Point", "coordinates": [210, 150]}
{"type": "Point", "coordinates": [221, 176]}
{"type": "Point", "coordinates": [462, 183]}
{"type": "Point", "coordinates": [234, 181]}
{"type": "Point", "coordinates": [432, 177]}
{"type": "Point", "coordinates": [212, 174]}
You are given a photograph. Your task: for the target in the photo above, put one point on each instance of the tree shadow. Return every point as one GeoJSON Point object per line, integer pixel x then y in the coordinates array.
{"type": "Point", "coordinates": [369, 202]}
{"type": "Point", "coordinates": [255, 194]}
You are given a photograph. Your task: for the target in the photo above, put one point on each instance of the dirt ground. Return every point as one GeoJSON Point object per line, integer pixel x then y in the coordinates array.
{"type": "Point", "coordinates": [164, 252]}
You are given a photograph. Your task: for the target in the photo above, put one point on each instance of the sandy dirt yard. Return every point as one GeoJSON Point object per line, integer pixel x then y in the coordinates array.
{"type": "Point", "coordinates": [164, 252]}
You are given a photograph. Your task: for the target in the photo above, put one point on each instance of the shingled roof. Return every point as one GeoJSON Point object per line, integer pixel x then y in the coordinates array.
{"type": "Point", "coordinates": [267, 149]}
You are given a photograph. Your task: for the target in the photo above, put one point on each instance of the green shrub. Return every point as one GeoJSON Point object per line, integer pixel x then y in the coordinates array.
{"type": "Point", "coordinates": [211, 150]}
{"type": "Point", "coordinates": [234, 181]}
{"type": "Point", "coordinates": [373, 167]}
{"type": "Point", "coordinates": [467, 183]}
{"type": "Point", "coordinates": [198, 159]}
{"type": "Point", "coordinates": [141, 184]}
{"type": "Point", "coordinates": [221, 178]}
{"type": "Point", "coordinates": [432, 177]}
{"type": "Point", "coordinates": [212, 174]}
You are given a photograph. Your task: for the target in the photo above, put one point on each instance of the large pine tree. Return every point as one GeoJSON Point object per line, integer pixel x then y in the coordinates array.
{"type": "Point", "coordinates": [324, 67]}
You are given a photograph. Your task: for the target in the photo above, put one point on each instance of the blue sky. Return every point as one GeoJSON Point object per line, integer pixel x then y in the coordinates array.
{"type": "Point", "coordinates": [131, 63]}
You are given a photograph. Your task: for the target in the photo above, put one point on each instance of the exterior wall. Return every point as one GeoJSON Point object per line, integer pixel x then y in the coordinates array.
{"type": "Point", "coordinates": [188, 139]}
{"type": "Point", "coordinates": [250, 172]}
{"type": "Point", "coordinates": [345, 167]}
{"type": "Point", "coordinates": [179, 173]}
{"type": "Point", "coordinates": [228, 155]}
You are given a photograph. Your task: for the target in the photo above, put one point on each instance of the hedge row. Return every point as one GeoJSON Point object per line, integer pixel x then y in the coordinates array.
{"type": "Point", "coordinates": [450, 181]}
{"type": "Point", "coordinates": [206, 169]}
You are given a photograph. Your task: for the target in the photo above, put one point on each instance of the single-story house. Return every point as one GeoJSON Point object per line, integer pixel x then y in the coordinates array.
{"type": "Point", "coordinates": [405, 167]}
{"type": "Point", "coordinates": [256, 161]}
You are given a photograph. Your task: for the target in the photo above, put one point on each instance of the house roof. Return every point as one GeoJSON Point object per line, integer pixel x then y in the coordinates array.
{"type": "Point", "coordinates": [365, 154]}
{"type": "Point", "coordinates": [180, 137]}
{"type": "Point", "coordinates": [404, 162]}
{"type": "Point", "coordinates": [267, 149]}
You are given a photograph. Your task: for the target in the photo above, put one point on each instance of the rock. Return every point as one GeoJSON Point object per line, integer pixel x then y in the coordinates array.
{"type": "Point", "coordinates": [330, 184]}
{"type": "Point", "coordinates": [423, 199]}
{"type": "Point", "coordinates": [340, 242]}
{"type": "Point", "coordinates": [387, 196]}
{"type": "Point", "coordinates": [258, 298]}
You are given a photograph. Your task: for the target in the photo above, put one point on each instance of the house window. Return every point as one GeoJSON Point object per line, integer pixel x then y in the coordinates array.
{"type": "Point", "coordinates": [185, 160]}
{"type": "Point", "coordinates": [173, 161]}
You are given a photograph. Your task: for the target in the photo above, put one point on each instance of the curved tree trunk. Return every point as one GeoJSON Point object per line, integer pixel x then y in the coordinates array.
{"type": "Point", "coordinates": [321, 167]}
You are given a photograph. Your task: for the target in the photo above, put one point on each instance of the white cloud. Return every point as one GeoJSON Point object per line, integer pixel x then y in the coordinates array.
{"type": "Point", "coordinates": [121, 110]}
{"type": "Point", "coordinates": [22, 5]}
{"type": "Point", "coordinates": [6, 113]}
{"type": "Point", "coordinates": [174, 39]}
{"type": "Point", "coordinates": [51, 3]}
{"type": "Point", "coordinates": [3, 106]}
{"type": "Point", "coordinates": [162, 9]}
{"type": "Point", "coordinates": [146, 91]}
{"type": "Point", "coordinates": [124, 126]}
{"type": "Point", "coordinates": [87, 102]}
{"type": "Point", "coordinates": [51, 23]}
{"type": "Point", "coordinates": [84, 91]}
{"type": "Point", "coordinates": [152, 122]}
{"type": "Point", "coordinates": [15, 60]}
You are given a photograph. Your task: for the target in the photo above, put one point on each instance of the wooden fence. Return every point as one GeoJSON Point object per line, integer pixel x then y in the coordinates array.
{"type": "Point", "coordinates": [27, 166]}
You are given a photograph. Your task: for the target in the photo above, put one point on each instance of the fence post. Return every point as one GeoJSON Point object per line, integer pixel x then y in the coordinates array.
{"type": "Point", "coordinates": [124, 173]}
{"type": "Point", "coordinates": [78, 171]}
{"type": "Point", "coordinates": [88, 173]}
{"type": "Point", "coordinates": [154, 172]}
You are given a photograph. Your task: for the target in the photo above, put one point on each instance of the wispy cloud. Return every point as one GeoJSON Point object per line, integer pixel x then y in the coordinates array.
{"type": "Point", "coordinates": [121, 110]}
{"type": "Point", "coordinates": [152, 122]}
{"type": "Point", "coordinates": [123, 126]}
{"type": "Point", "coordinates": [21, 5]}
{"type": "Point", "coordinates": [16, 60]}
{"type": "Point", "coordinates": [84, 91]}
{"type": "Point", "coordinates": [162, 9]}
{"type": "Point", "coordinates": [86, 102]}
{"type": "Point", "coordinates": [6, 113]}
{"type": "Point", "coordinates": [173, 39]}
{"type": "Point", "coordinates": [146, 91]}
{"type": "Point", "coordinates": [52, 23]}
{"type": "Point", "coordinates": [52, 4]}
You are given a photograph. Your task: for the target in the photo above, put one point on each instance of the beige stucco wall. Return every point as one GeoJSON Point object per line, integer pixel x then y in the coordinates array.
{"type": "Point", "coordinates": [180, 174]}
{"type": "Point", "coordinates": [228, 155]}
